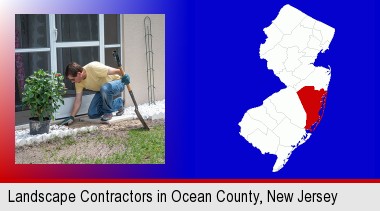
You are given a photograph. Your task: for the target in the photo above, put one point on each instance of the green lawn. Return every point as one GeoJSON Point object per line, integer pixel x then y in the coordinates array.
{"type": "Point", "coordinates": [138, 147]}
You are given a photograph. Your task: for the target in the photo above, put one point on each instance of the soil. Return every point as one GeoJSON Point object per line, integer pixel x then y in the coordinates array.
{"type": "Point", "coordinates": [59, 150]}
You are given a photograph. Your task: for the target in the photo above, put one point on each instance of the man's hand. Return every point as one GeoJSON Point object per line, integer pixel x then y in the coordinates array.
{"type": "Point", "coordinates": [67, 121]}
{"type": "Point", "coordinates": [126, 79]}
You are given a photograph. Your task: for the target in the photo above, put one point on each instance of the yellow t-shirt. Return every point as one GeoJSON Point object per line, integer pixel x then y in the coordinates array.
{"type": "Point", "coordinates": [96, 77]}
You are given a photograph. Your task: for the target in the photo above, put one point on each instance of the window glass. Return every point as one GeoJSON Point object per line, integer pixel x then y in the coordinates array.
{"type": "Point", "coordinates": [110, 61]}
{"type": "Point", "coordinates": [75, 28]}
{"type": "Point", "coordinates": [26, 64]}
{"type": "Point", "coordinates": [111, 29]}
{"type": "Point", "coordinates": [31, 31]}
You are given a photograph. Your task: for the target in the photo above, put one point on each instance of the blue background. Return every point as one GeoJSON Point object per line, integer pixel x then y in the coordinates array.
{"type": "Point", "coordinates": [229, 78]}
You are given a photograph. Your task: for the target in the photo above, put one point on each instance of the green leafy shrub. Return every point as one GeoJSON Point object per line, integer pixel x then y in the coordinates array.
{"type": "Point", "coordinates": [43, 94]}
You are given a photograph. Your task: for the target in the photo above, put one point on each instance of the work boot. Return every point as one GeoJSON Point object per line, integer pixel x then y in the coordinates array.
{"type": "Point", "coordinates": [106, 117]}
{"type": "Point", "coordinates": [120, 111]}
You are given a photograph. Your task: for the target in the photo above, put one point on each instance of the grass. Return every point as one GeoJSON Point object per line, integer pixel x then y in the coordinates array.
{"type": "Point", "coordinates": [140, 147]}
{"type": "Point", "coordinates": [144, 147]}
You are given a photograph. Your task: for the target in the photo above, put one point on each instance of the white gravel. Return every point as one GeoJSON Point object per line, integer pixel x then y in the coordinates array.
{"type": "Point", "coordinates": [147, 111]}
{"type": "Point", "coordinates": [22, 137]}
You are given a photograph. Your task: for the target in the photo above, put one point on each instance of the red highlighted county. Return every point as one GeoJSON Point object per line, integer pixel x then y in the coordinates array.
{"type": "Point", "coordinates": [314, 102]}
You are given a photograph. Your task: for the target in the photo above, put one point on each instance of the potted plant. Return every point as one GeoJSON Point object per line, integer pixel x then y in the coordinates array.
{"type": "Point", "coordinates": [43, 94]}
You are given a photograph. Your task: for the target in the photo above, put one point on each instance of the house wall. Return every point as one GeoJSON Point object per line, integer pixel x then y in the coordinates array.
{"type": "Point", "coordinates": [134, 56]}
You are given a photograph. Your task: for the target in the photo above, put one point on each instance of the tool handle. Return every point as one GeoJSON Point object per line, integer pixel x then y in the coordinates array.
{"type": "Point", "coordinates": [121, 71]}
{"type": "Point", "coordinates": [129, 88]}
{"type": "Point", "coordinates": [133, 99]}
{"type": "Point", "coordinates": [117, 59]}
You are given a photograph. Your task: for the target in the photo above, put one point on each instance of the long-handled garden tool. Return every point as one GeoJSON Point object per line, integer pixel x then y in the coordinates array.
{"type": "Point", "coordinates": [117, 59]}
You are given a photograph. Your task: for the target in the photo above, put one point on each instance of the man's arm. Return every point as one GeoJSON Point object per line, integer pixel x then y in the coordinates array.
{"type": "Point", "coordinates": [77, 104]}
{"type": "Point", "coordinates": [113, 71]}
{"type": "Point", "coordinates": [124, 78]}
{"type": "Point", "coordinates": [74, 111]}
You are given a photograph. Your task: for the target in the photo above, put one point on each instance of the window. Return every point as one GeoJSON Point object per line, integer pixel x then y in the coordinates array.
{"type": "Point", "coordinates": [72, 28]}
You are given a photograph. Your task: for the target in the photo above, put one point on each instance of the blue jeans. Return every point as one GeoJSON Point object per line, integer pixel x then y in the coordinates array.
{"type": "Point", "coordinates": [103, 102]}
